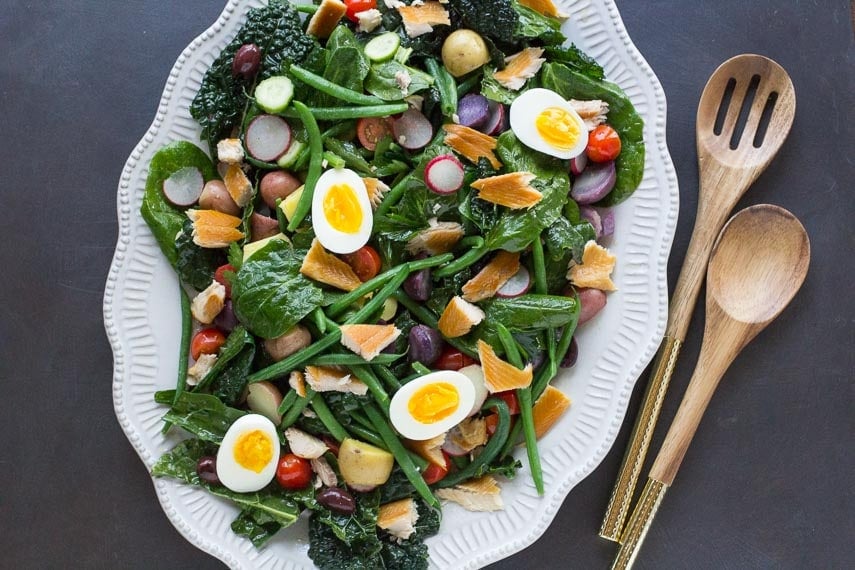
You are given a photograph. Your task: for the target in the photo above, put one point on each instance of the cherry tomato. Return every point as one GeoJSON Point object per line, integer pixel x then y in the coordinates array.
{"type": "Point", "coordinates": [492, 422]}
{"type": "Point", "coordinates": [603, 144]}
{"type": "Point", "coordinates": [293, 472]}
{"type": "Point", "coordinates": [435, 472]}
{"type": "Point", "coordinates": [371, 129]}
{"type": "Point", "coordinates": [354, 7]}
{"type": "Point", "coordinates": [452, 359]}
{"type": "Point", "coordinates": [510, 398]}
{"type": "Point", "coordinates": [220, 278]}
{"type": "Point", "coordinates": [365, 262]}
{"type": "Point", "coordinates": [206, 341]}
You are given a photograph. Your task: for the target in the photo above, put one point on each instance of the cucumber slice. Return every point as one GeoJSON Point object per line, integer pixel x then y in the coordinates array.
{"type": "Point", "coordinates": [274, 94]}
{"type": "Point", "coordinates": [383, 47]}
{"type": "Point", "coordinates": [288, 159]}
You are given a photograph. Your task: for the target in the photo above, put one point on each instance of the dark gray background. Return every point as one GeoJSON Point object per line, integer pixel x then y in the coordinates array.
{"type": "Point", "coordinates": [768, 481]}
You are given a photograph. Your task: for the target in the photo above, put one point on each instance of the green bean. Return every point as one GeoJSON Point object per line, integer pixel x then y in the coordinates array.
{"type": "Point", "coordinates": [306, 8]}
{"type": "Point", "coordinates": [374, 304]}
{"type": "Point", "coordinates": [334, 160]}
{"type": "Point", "coordinates": [280, 217]}
{"type": "Point", "coordinates": [466, 85]}
{"type": "Point", "coordinates": [327, 418]}
{"type": "Point", "coordinates": [513, 438]}
{"type": "Point", "coordinates": [428, 262]}
{"type": "Point", "coordinates": [462, 262]}
{"type": "Point", "coordinates": [296, 360]}
{"type": "Point", "coordinates": [471, 241]}
{"type": "Point", "coordinates": [342, 113]}
{"type": "Point", "coordinates": [319, 320]}
{"type": "Point", "coordinates": [345, 359]}
{"type": "Point", "coordinates": [367, 435]}
{"type": "Point", "coordinates": [388, 377]}
{"type": "Point", "coordinates": [287, 402]}
{"type": "Point", "coordinates": [348, 299]}
{"type": "Point", "coordinates": [316, 148]}
{"type": "Point", "coordinates": [420, 368]}
{"type": "Point", "coordinates": [326, 86]}
{"type": "Point", "coordinates": [397, 449]}
{"type": "Point", "coordinates": [490, 451]}
{"type": "Point", "coordinates": [539, 266]}
{"type": "Point", "coordinates": [393, 195]}
{"type": "Point", "coordinates": [445, 85]}
{"type": "Point", "coordinates": [297, 409]}
{"type": "Point", "coordinates": [368, 378]}
{"type": "Point", "coordinates": [545, 375]}
{"type": "Point", "coordinates": [184, 347]}
{"type": "Point", "coordinates": [512, 351]}
{"type": "Point", "coordinates": [347, 152]}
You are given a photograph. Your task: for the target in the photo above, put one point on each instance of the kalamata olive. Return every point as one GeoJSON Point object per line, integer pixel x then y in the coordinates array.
{"type": "Point", "coordinates": [570, 359]}
{"type": "Point", "coordinates": [425, 345]}
{"type": "Point", "coordinates": [247, 61]}
{"type": "Point", "coordinates": [336, 499]}
{"type": "Point", "coordinates": [418, 285]}
{"type": "Point", "coordinates": [216, 197]}
{"type": "Point", "coordinates": [261, 227]}
{"type": "Point", "coordinates": [226, 320]}
{"type": "Point", "coordinates": [278, 184]}
{"type": "Point", "coordinates": [206, 468]}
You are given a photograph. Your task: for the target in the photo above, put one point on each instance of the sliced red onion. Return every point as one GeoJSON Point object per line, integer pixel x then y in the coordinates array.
{"type": "Point", "coordinates": [594, 183]}
{"type": "Point", "coordinates": [267, 137]}
{"type": "Point", "coordinates": [593, 216]}
{"type": "Point", "coordinates": [578, 164]}
{"type": "Point", "coordinates": [572, 354]}
{"type": "Point", "coordinates": [607, 216]}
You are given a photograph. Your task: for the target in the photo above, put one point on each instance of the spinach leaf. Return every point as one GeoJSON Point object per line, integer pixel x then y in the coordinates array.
{"type": "Point", "coordinates": [203, 415]}
{"type": "Point", "coordinates": [622, 116]}
{"type": "Point", "coordinates": [577, 60]}
{"type": "Point", "coordinates": [346, 64]}
{"type": "Point", "coordinates": [534, 25]}
{"type": "Point", "coordinates": [382, 80]}
{"type": "Point", "coordinates": [228, 375]}
{"type": "Point", "coordinates": [495, 19]}
{"type": "Point", "coordinates": [277, 30]}
{"type": "Point", "coordinates": [492, 89]}
{"type": "Point", "coordinates": [516, 229]}
{"type": "Point", "coordinates": [195, 265]}
{"type": "Point", "coordinates": [164, 219]}
{"type": "Point", "coordinates": [269, 294]}
{"type": "Point", "coordinates": [270, 507]}
{"type": "Point", "coordinates": [531, 312]}
{"type": "Point", "coordinates": [562, 236]}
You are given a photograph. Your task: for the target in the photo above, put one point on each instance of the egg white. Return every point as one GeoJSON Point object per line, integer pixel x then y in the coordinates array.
{"type": "Point", "coordinates": [410, 427]}
{"type": "Point", "coordinates": [524, 112]}
{"type": "Point", "coordinates": [332, 239]}
{"type": "Point", "coordinates": [236, 477]}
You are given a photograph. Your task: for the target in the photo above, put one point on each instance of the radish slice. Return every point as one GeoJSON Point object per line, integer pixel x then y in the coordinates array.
{"type": "Point", "coordinates": [453, 449]}
{"type": "Point", "coordinates": [184, 186]}
{"type": "Point", "coordinates": [594, 183]}
{"type": "Point", "coordinates": [608, 218]}
{"type": "Point", "coordinates": [498, 121]}
{"type": "Point", "coordinates": [473, 111]}
{"type": "Point", "coordinates": [412, 130]}
{"type": "Point", "coordinates": [267, 137]}
{"type": "Point", "coordinates": [517, 285]}
{"type": "Point", "coordinates": [578, 164]}
{"type": "Point", "coordinates": [593, 216]}
{"type": "Point", "coordinates": [444, 175]}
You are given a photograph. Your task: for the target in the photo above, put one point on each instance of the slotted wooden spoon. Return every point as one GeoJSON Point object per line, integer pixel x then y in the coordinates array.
{"type": "Point", "coordinates": [758, 264]}
{"type": "Point", "coordinates": [749, 90]}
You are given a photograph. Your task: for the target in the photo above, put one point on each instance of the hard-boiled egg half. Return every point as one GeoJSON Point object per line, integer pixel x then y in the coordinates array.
{"type": "Point", "coordinates": [248, 455]}
{"type": "Point", "coordinates": [341, 212]}
{"type": "Point", "coordinates": [544, 121]}
{"type": "Point", "coordinates": [431, 404]}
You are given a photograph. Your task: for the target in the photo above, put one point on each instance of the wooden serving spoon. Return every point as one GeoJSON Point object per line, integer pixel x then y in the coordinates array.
{"type": "Point", "coordinates": [758, 263]}
{"type": "Point", "coordinates": [749, 89]}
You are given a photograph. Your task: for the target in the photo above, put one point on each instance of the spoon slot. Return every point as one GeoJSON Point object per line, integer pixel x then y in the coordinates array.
{"type": "Point", "coordinates": [765, 119]}
{"type": "Point", "coordinates": [742, 120]}
{"type": "Point", "coordinates": [724, 106]}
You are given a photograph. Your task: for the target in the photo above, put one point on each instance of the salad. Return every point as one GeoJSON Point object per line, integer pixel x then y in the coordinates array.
{"type": "Point", "coordinates": [383, 271]}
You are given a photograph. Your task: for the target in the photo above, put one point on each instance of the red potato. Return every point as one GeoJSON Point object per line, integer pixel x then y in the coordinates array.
{"type": "Point", "coordinates": [216, 197]}
{"type": "Point", "coordinates": [261, 227]}
{"type": "Point", "coordinates": [278, 184]}
{"type": "Point", "coordinates": [592, 301]}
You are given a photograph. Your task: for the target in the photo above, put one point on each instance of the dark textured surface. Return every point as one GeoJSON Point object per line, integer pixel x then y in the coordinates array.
{"type": "Point", "coordinates": [768, 480]}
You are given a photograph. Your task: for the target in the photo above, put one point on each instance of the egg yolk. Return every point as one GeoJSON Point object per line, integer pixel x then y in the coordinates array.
{"type": "Point", "coordinates": [253, 450]}
{"type": "Point", "coordinates": [341, 208]}
{"type": "Point", "coordinates": [434, 402]}
{"type": "Point", "coordinates": [558, 128]}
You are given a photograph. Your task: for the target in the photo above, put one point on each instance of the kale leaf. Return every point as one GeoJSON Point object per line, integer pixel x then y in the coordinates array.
{"type": "Point", "coordinates": [622, 116]}
{"type": "Point", "coordinates": [228, 374]}
{"type": "Point", "coordinates": [203, 415]}
{"type": "Point", "coordinates": [269, 294]}
{"type": "Point", "coordinates": [255, 525]}
{"type": "Point", "coordinates": [276, 29]}
{"type": "Point", "coordinates": [495, 19]}
{"type": "Point", "coordinates": [398, 486]}
{"type": "Point", "coordinates": [195, 265]}
{"type": "Point", "coordinates": [164, 219]}
{"type": "Point", "coordinates": [349, 542]}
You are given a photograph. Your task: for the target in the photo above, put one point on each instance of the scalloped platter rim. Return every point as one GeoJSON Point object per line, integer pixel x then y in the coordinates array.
{"type": "Point", "coordinates": [141, 317]}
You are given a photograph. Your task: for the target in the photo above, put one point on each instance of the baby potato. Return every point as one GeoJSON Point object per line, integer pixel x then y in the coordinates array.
{"type": "Point", "coordinates": [464, 51]}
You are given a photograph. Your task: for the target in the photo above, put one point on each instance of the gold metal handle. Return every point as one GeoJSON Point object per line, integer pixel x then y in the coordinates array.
{"type": "Point", "coordinates": [639, 524]}
{"type": "Point", "coordinates": [639, 441]}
